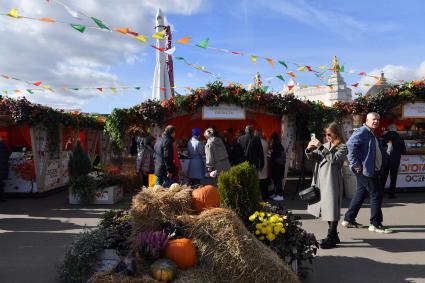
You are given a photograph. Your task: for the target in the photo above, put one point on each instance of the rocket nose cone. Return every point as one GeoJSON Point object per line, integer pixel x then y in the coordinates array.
{"type": "Point", "coordinates": [159, 15]}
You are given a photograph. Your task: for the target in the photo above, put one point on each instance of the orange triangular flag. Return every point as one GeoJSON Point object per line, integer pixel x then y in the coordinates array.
{"type": "Point", "coordinates": [270, 61]}
{"type": "Point", "coordinates": [292, 74]}
{"type": "Point", "coordinates": [122, 30]}
{"type": "Point", "coordinates": [47, 20]}
{"type": "Point", "coordinates": [184, 40]}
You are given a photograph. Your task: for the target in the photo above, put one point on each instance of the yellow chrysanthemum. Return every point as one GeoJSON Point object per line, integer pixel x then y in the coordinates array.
{"type": "Point", "coordinates": [271, 237]}
{"type": "Point", "coordinates": [252, 218]}
{"type": "Point", "coordinates": [263, 230]}
{"type": "Point", "coordinates": [257, 232]}
{"type": "Point", "coordinates": [283, 231]}
{"type": "Point", "coordinates": [258, 226]}
{"type": "Point", "coordinates": [261, 238]}
{"type": "Point", "coordinates": [277, 229]}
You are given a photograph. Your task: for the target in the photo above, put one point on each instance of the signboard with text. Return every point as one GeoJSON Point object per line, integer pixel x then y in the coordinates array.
{"type": "Point", "coordinates": [223, 112]}
{"type": "Point", "coordinates": [414, 110]}
{"type": "Point", "coordinates": [411, 172]}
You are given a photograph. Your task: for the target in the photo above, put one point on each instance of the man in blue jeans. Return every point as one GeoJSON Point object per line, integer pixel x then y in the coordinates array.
{"type": "Point", "coordinates": [165, 169]}
{"type": "Point", "coordinates": [365, 158]}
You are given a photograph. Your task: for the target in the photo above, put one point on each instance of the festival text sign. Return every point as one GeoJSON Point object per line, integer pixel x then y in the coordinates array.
{"type": "Point", "coordinates": [414, 110]}
{"type": "Point", "coordinates": [223, 112]}
{"type": "Point", "coordinates": [411, 172]}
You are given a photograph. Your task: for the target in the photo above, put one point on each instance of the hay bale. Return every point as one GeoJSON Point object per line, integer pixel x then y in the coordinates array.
{"type": "Point", "coordinates": [150, 208]}
{"type": "Point", "coordinates": [193, 275]}
{"type": "Point", "coordinates": [114, 278]}
{"type": "Point", "coordinates": [232, 252]}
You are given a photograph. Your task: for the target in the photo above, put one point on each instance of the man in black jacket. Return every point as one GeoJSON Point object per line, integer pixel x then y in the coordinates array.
{"type": "Point", "coordinates": [4, 166]}
{"type": "Point", "coordinates": [252, 148]}
{"type": "Point", "coordinates": [165, 169]}
{"type": "Point", "coordinates": [396, 147]}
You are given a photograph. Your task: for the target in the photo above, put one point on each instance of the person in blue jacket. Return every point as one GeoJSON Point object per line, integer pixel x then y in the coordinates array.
{"type": "Point", "coordinates": [196, 151]}
{"type": "Point", "coordinates": [365, 158]}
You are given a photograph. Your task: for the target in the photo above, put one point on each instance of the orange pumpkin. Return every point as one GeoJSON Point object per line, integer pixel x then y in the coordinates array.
{"type": "Point", "coordinates": [182, 252]}
{"type": "Point", "coordinates": [205, 197]}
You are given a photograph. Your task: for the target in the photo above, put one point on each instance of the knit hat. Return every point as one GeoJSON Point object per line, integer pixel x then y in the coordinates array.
{"type": "Point", "coordinates": [196, 132]}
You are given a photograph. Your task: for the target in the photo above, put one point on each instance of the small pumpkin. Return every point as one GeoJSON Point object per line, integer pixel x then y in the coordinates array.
{"type": "Point", "coordinates": [205, 197]}
{"type": "Point", "coordinates": [182, 252]}
{"type": "Point", "coordinates": [163, 270]}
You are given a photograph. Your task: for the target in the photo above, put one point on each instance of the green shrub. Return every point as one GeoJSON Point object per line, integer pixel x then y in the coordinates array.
{"type": "Point", "coordinates": [240, 190]}
{"type": "Point", "coordinates": [79, 163]}
{"type": "Point", "coordinates": [81, 257]}
{"type": "Point", "coordinates": [85, 187]}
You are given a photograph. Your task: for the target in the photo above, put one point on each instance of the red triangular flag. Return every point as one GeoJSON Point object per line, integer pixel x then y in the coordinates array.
{"type": "Point", "coordinates": [133, 33]}
{"type": "Point", "coordinates": [362, 74]}
{"type": "Point", "coordinates": [237, 53]}
{"type": "Point", "coordinates": [290, 87]}
{"type": "Point", "coordinates": [162, 89]}
{"type": "Point", "coordinates": [309, 68]}
{"type": "Point", "coordinates": [159, 48]}
{"type": "Point", "coordinates": [37, 83]}
{"type": "Point", "coordinates": [99, 89]}
{"type": "Point", "coordinates": [355, 85]}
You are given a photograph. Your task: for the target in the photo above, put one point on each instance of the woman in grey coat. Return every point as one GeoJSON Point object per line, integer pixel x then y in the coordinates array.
{"type": "Point", "coordinates": [328, 177]}
{"type": "Point", "coordinates": [217, 158]}
{"type": "Point", "coordinates": [197, 158]}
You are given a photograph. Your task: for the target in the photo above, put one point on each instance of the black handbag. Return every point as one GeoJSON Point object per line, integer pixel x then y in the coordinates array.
{"type": "Point", "coordinates": [310, 194]}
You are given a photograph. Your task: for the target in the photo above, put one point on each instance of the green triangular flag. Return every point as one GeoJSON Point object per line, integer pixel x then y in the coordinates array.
{"type": "Point", "coordinates": [284, 64]}
{"type": "Point", "coordinates": [280, 77]}
{"type": "Point", "coordinates": [203, 43]}
{"type": "Point", "coordinates": [178, 58]}
{"type": "Point", "coordinates": [76, 89]}
{"type": "Point", "coordinates": [99, 23]}
{"type": "Point", "coordinates": [265, 88]}
{"type": "Point", "coordinates": [341, 68]}
{"type": "Point", "coordinates": [5, 91]}
{"type": "Point", "coordinates": [137, 87]}
{"type": "Point", "coordinates": [30, 91]}
{"type": "Point", "coordinates": [80, 28]}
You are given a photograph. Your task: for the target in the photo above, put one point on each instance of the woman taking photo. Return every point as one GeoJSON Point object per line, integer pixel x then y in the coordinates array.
{"type": "Point", "coordinates": [328, 178]}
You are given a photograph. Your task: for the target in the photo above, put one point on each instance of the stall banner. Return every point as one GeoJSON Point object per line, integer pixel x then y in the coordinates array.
{"type": "Point", "coordinates": [18, 181]}
{"type": "Point", "coordinates": [223, 112]}
{"type": "Point", "coordinates": [289, 138]}
{"type": "Point", "coordinates": [105, 149]}
{"type": "Point", "coordinates": [53, 174]}
{"type": "Point", "coordinates": [93, 140]}
{"type": "Point", "coordinates": [414, 110]}
{"type": "Point", "coordinates": [65, 155]}
{"type": "Point", "coordinates": [40, 148]}
{"type": "Point", "coordinates": [411, 172]}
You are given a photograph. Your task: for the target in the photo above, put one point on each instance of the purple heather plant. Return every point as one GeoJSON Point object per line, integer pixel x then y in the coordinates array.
{"type": "Point", "coordinates": [151, 244]}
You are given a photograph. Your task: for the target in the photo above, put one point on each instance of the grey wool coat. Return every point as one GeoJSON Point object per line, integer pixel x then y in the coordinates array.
{"type": "Point", "coordinates": [216, 155]}
{"type": "Point", "coordinates": [328, 177]}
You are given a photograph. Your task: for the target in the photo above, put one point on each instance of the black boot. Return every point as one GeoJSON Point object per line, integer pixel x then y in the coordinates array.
{"type": "Point", "coordinates": [329, 243]}
{"type": "Point", "coordinates": [328, 237]}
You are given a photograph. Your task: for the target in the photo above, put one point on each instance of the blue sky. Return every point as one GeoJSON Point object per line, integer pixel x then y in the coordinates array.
{"type": "Point", "coordinates": [367, 36]}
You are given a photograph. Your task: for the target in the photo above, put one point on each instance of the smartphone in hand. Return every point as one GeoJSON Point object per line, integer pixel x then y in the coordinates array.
{"type": "Point", "coordinates": [313, 136]}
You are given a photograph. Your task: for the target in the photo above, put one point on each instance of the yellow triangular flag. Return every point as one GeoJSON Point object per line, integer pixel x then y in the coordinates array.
{"type": "Point", "coordinates": [254, 59]}
{"type": "Point", "coordinates": [113, 89]}
{"type": "Point", "coordinates": [46, 86]}
{"type": "Point", "coordinates": [142, 38]}
{"type": "Point", "coordinates": [184, 40]}
{"type": "Point", "coordinates": [322, 67]}
{"type": "Point", "coordinates": [301, 69]}
{"type": "Point", "coordinates": [13, 13]}
{"type": "Point", "coordinates": [159, 35]}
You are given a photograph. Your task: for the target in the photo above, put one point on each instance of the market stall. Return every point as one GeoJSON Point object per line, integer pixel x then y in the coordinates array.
{"type": "Point", "coordinates": [409, 119]}
{"type": "Point", "coordinates": [40, 148]}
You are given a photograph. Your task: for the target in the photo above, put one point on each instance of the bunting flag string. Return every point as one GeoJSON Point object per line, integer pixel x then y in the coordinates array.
{"type": "Point", "coordinates": [204, 44]}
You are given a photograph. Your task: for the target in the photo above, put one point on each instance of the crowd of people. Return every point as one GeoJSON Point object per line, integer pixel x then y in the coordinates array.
{"type": "Point", "coordinates": [370, 158]}
{"type": "Point", "coordinates": [211, 153]}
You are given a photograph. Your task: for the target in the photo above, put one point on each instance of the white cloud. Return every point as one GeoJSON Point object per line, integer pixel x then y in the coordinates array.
{"type": "Point", "coordinates": [61, 56]}
{"type": "Point", "coordinates": [337, 22]}
{"type": "Point", "coordinates": [394, 73]}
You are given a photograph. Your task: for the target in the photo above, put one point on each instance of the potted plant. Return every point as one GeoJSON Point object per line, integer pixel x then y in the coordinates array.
{"type": "Point", "coordinates": [82, 190]}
